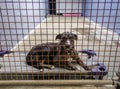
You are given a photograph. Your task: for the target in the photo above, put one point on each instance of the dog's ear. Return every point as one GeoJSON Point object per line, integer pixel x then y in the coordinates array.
{"type": "Point", "coordinates": [58, 36]}
{"type": "Point", "coordinates": [75, 37]}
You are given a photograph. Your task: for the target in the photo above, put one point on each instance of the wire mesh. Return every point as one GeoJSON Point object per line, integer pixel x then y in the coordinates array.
{"type": "Point", "coordinates": [26, 23]}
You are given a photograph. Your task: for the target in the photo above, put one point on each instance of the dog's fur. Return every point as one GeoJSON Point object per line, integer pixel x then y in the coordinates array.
{"type": "Point", "coordinates": [55, 54]}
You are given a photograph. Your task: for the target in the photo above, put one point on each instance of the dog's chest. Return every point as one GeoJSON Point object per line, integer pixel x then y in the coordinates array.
{"type": "Point", "coordinates": [64, 54]}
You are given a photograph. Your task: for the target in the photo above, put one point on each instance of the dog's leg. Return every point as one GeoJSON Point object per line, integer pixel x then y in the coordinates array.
{"type": "Point", "coordinates": [48, 66]}
{"type": "Point", "coordinates": [76, 57]}
{"type": "Point", "coordinates": [42, 65]}
{"type": "Point", "coordinates": [63, 62]}
{"type": "Point", "coordinates": [45, 66]}
{"type": "Point", "coordinates": [80, 62]}
{"type": "Point", "coordinates": [71, 66]}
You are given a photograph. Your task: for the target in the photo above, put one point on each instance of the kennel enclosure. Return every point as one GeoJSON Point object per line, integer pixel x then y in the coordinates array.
{"type": "Point", "coordinates": [27, 23]}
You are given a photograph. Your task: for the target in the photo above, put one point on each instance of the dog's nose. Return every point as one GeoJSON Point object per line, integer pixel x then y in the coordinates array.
{"type": "Point", "coordinates": [67, 46]}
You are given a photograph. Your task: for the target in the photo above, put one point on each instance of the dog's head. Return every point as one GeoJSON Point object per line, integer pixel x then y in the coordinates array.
{"type": "Point", "coordinates": [67, 39]}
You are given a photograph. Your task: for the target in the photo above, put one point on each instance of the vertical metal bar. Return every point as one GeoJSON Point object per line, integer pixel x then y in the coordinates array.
{"type": "Point", "coordinates": [82, 32]}
{"type": "Point", "coordinates": [23, 34]}
{"type": "Point", "coordinates": [90, 28]}
{"type": "Point", "coordinates": [77, 29]}
{"type": "Point", "coordinates": [4, 34]}
{"type": "Point", "coordinates": [41, 36]}
{"type": "Point", "coordinates": [34, 29]}
{"type": "Point", "coordinates": [110, 55]}
{"type": "Point", "coordinates": [29, 41]}
{"type": "Point", "coordinates": [104, 50]}
{"type": "Point", "coordinates": [117, 46]}
{"type": "Point", "coordinates": [10, 66]}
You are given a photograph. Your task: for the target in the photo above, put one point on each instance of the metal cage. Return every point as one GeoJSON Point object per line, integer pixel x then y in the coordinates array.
{"type": "Point", "coordinates": [26, 23]}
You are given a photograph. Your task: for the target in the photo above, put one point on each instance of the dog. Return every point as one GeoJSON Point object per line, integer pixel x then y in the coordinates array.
{"type": "Point", "coordinates": [51, 55]}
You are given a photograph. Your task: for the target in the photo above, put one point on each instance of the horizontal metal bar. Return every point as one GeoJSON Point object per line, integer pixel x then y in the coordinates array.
{"type": "Point", "coordinates": [47, 72]}
{"type": "Point", "coordinates": [55, 82]}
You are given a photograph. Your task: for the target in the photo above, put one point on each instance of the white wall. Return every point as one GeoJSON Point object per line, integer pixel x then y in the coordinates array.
{"type": "Point", "coordinates": [104, 12]}
{"type": "Point", "coordinates": [18, 18]}
{"type": "Point", "coordinates": [68, 6]}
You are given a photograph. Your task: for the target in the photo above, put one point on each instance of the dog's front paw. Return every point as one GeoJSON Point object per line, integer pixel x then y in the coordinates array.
{"type": "Point", "coordinates": [41, 70]}
{"type": "Point", "coordinates": [52, 67]}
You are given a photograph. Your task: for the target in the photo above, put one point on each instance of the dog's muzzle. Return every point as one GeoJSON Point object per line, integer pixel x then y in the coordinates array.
{"type": "Point", "coordinates": [69, 48]}
{"type": "Point", "coordinates": [68, 45]}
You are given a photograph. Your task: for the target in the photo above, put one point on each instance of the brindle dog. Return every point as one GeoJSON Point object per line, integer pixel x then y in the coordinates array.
{"type": "Point", "coordinates": [48, 55]}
